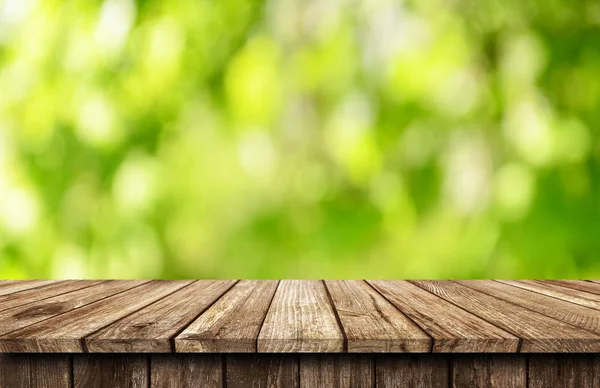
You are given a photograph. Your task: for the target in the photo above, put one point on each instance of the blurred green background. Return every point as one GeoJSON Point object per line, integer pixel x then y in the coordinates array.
{"type": "Point", "coordinates": [299, 139]}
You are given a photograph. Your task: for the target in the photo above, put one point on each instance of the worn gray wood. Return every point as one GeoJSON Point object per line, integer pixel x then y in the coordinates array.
{"type": "Point", "coordinates": [233, 323]}
{"type": "Point", "coordinates": [371, 323]}
{"type": "Point", "coordinates": [337, 371]}
{"type": "Point", "coordinates": [489, 370]}
{"type": "Point", "coordinates": [564, 371]}
{"type": "Point", "coordinates": [186, 371]}
{"type": "Point", "coordinates": [453, 329]}
{"type": "Point", "coordinates": [151, 329]}
{"type": "Point", "coordinates": [300, 319]}
{"type": "Point", "coordinates": [110, 371]}
{"type": "Point", "coordinates": [262, 370]}
{"type": "Point", "coordinates": [412, 371]}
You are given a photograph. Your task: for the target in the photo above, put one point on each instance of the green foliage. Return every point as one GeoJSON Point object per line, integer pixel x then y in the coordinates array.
{"type": "Point", "coordinates": [303, 139]}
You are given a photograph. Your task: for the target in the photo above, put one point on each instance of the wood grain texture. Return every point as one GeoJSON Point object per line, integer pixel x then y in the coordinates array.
{"type": "Point", "coordinates": [489, 370]}
{"type": "Point", "coordinates": [186, 371]}
{"type": "Point", "coordinates": [574, 314]}
{"type": "Point", "coordinates": [233, 323]}
{"type": "Point", "coordinates": [43, 292]}
{"type": "Point", "coordinates": [65, 332]}
{"type": "Point", "coordinates": [453, 329]}
{"type": "Point", "coordinates": [412, 371]}
{"type": "Point", "coordinates": [110, 371]}
{"type": "Point", "coordinates": [538, 332]}
{"type": "Point", "coordinates": [151, 329]}
{"type": "Point", "coordinates": [262, 370]}
{"type": "Point", "coordinates": [371, 323]}
{"type": "Point", "coordinates": [337, 371]}
{"type": "Point", "coordinates": [22, 316]}
{"type": "Point", "coordinates": [564, 293]}
{"type": "Point", "coordinates": [591, 287]}
{"type": "Point", "coordinates": [34, 370]}
{"type": "Point", "coordinates": [12, 286]}
{"type": "Point", "coordinates": [300, 319]}
{"type": "Point", "coordinates": [564, 371]}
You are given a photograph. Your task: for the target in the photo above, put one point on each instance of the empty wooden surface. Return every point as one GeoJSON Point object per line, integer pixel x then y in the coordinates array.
{"type": "Point", "coordinates": [301, 316]}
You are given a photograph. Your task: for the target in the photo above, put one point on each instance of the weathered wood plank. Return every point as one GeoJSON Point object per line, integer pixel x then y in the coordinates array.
{"type": "Point", "coordinates": [564, 293]}
{"type": "Point", "coordinates": [453, 329]}
{"type": "Point", "coordinates": [10, 286]}
{"type": "Point", "coordinates": [65, 332]}
{"type": "Point", "coordinates": [110, 371]}
{"type": "Point", "coordinates": [336, 371]}
{"type": "Point", "coordinates": [22, 316]}
{"type": "Point", "coordinates": [35, 370]}
{"type": "Point", "coordinates": [152, 328]}
{"type": "Point", "coordinates": [489, 370]}
{"type": "Point", "coordinates": [231, 324]}
{"type": "Point", "coordinates": [574, 314]}
{"type": "Point", "coordinates": [43, 292]}
{"type": "Point", "coordinates": [591, 287]}
{"type": "Point", "coordinates": [371, 323]}
{"type": "Point", "coordinates": [300, 319]}
{"type": "Point", "coordinates": [564, 371]}
{"type": "Point", "coordinates": [262, 370]}
{"type": "Point", "coordinates": [539, 333]}
{"type": "Point", "coordinates": [186, 371]}
{"type": "Point", "coordinates": [412, 371]}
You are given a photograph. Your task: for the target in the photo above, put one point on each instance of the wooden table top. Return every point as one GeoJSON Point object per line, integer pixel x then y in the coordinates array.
{"type": "Point", "coordinates": [299, 316]}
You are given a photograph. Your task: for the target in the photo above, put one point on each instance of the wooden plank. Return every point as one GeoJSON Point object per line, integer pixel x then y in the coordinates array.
{"type": "Point", "coordinates": [110, 371]}
{"type": "Point", "coordinates": [300, 319]}
{"type": "Point", "coordinates": [44, 292]}
{"type": "Point", "coordinates": [65, 332]}
{"type": "Point", "coordinates": [336, 371]}
{"type": "Point", "coordinates": [371, 323]}
{"type": "Point", "coordinates": [412, 371]}
{"type": "Point", "coordinates": [9, 287]}
{"type": "Point", "coordinates": [35, 370]}
{"type": "Point", "coordinates": [231, 324]}
{"type": "Point", "coordinates": [564, 371]}
{"type": "Point", "coordinates": [539, 333]}
{"type": "Point", "coordinates": [152, 328]}
{"type": "Point", "coordinates": [186, 371]}
{"type": "Point", "coordinates": [568, 294]}
{"type": "Point", "coordinates": [591, 287]}
{"type": "Point", "coordinates": [574, 314]}
{"type": "Point", "coordinates": [489, 370]}
{"type": "Point", "coordinates": [453, 329]}
{"type": "Point", "coordinates": [22, 316]}
{"type": "Point", "coordinates": [262, 370]}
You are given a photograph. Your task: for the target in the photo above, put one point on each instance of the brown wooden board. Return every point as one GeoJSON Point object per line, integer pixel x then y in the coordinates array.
{"type": "Point", "coordinates": [186, 371]}
{"type": "Point", "coordinates": [574, 314]}
{"type": "Point", "coordinates": [591, 287]}
{"type": "Point", "coordinates": [300, 319]}
{"type": "Point", "coordinates": [262, 370]}
{"type": "Point", "coordinates": [22, 316]}
{"type": "Point", "coordinates": [337, 371]}
{"type": "Point", "coordinates": [564, 371]}
{"type": "Point", "coordinates": [489, 370]}
{"type": "Point", "coordinates": [371, 323]}
{"type": "Point", "coordinates": [452, 328]}
{"type": "Point", "coordinates": [412, 371]}
{"type": "Point", "coordinates": [231, 324]}
{"type": "Point", "coordinates": [35, 370]}
{"type": "Point", "coordinates": [569, 294]}
{"type": "Point", "coordinates": [538, 332]}
{"type": "Point", "coordinates": [150, 330]}
{"type": "Point", "coordinates": [10, 286]}
{"type": "Point", "coordinates": [43, 292]}
{"type": "Point", "coordinates": [110, 371]}
{"type": "Point", "coordinates": [65, 332]}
